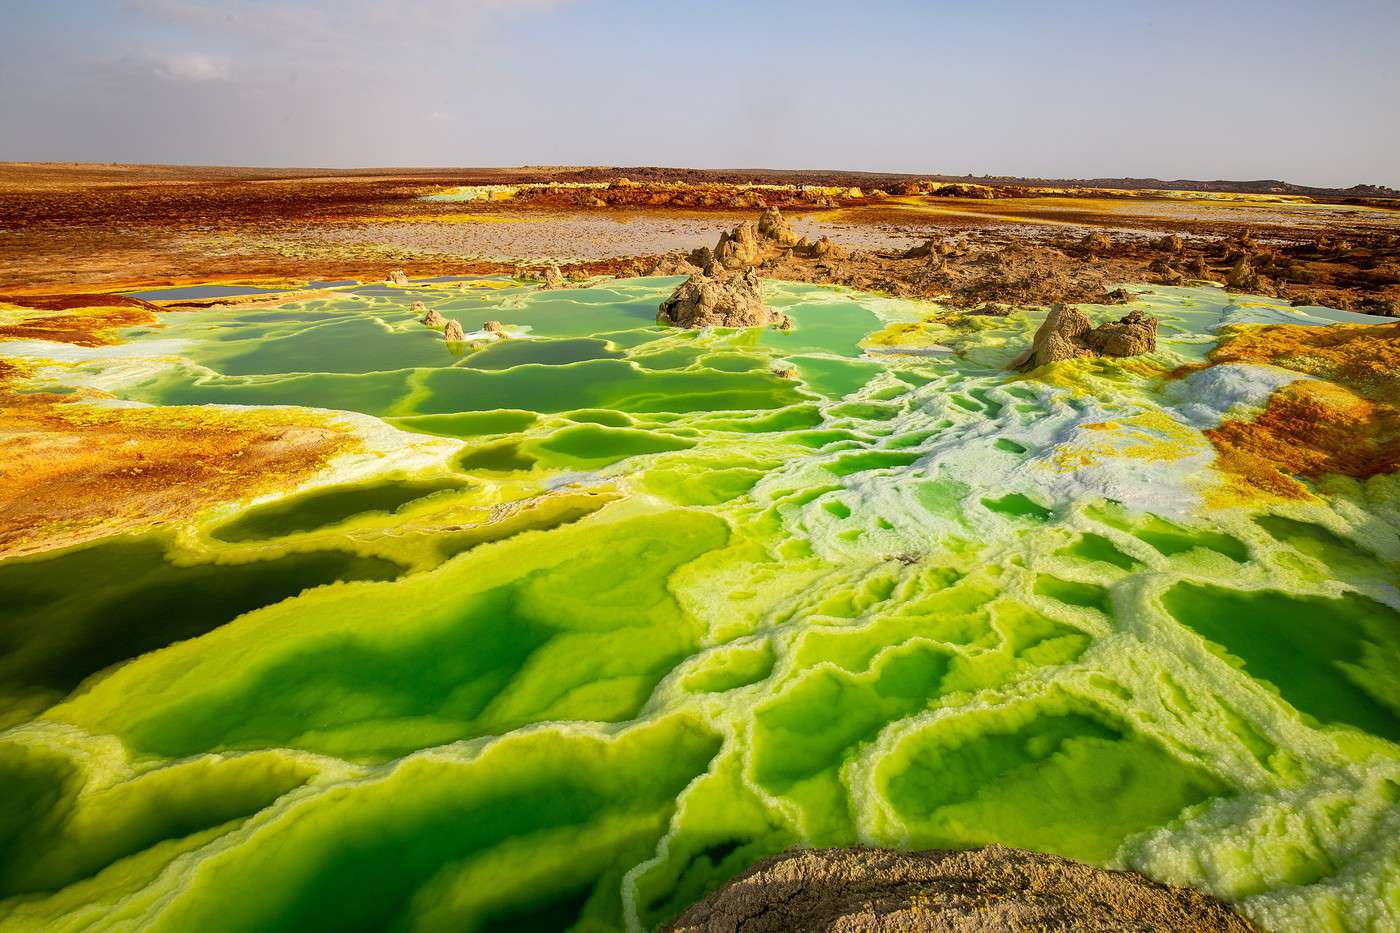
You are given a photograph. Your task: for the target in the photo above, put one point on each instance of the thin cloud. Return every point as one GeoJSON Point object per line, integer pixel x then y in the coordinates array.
{"type": "Point", "coordinates": [193, 66]}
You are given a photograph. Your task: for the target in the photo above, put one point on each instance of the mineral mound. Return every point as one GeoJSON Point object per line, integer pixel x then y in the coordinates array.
{"type": "Point", "coordinates": [1067, 334]}
{"type": "Point", "coordinates": [985, 890]}
{"type": "Point", "coordinates": [430, 316]}
{"type": "Point", "coordinates": [719, 301]}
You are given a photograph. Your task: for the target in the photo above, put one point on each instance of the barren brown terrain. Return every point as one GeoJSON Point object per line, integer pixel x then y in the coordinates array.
{"type": "Point", "coordinates": [81, 228]}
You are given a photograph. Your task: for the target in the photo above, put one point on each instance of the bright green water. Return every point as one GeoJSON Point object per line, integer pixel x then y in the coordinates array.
{"type": "Point", "coordinates": [653, 612]}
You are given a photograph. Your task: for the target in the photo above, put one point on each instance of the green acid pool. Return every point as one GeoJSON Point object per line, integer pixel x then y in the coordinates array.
{"type": "Point", "coordinates": [654, 612]}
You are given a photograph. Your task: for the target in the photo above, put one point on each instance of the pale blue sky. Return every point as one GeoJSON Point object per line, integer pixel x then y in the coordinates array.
{"type": "Point", "coordinates": [1308, 92]}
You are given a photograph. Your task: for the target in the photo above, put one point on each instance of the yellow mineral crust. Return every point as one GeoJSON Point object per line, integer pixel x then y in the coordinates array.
{"type": "Point", "coordinates": [1364, 358]}
{"type": "Point", "coordinates": [1345, 422]}
{"type": "Point", "coordinates": [75, 471]}
{"type": "Point", "coordinates": [81, 320]}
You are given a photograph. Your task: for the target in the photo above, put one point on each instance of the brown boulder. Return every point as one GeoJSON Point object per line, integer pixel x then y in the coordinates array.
{"type": "Point", "coordinates": [1131, 335]}
{"type": "Point", "coordinates": [430, 317]}
{"type": "Point", "coordinates": [453, 332]}
{"type": "Point", "coordinates": [1068, 334]}
{"type": "Point", "coordinates": [710, 301]}
{"type": "Point", "coordinates": [494, 327]}
{"type": "Point", "coordinates": [987, 890]}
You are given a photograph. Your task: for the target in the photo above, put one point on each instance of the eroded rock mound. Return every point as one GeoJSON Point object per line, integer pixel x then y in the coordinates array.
{"type": "Point", "coordinates": [987, 890]}
{"type": "Point", "coordinates": [929, 248]}
{"type": "Point", "coordinates": [1096, 241]}
{"type": "Point", "coordinates": [718, 301]}
{"type": "Point", "coordinates": [453, 332]}
{"type": "Point", "coordinates": [1068, 334]}
{"type": "Point", "coordinates": [553, 278]}
{"type": "Point", "coordinates": [677, 265]}
{"type": "Point", "coordinates": [1243, 275]}
{"type": "Point", "coordinates": [433, 319]}
{"type": "Point", "coordinates": [751, 243]}
{"type": "Point", "coordinates": [772, 226]}
{"type": "Point", "coordinates": [739, 247]}
{"type": "Point", "coordinates": [397, 277]}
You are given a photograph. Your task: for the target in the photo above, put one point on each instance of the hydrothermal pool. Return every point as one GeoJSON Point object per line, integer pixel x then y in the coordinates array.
{"type": "Point", "coordinates": [647, 612]}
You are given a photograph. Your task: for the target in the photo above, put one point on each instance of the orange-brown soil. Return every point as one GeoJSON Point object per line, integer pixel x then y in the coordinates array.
{"type": "Point", "coordinates": [82, 320]}
{"type": "Point", "coordinates": [1347, 423]}
{"type": "Point", "coordinates": [1363, 357]}
{"type": "Point", "coordinates": [74, 471]}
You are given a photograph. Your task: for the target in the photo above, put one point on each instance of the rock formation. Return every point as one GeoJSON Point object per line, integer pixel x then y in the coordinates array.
{"type": "Point", "coordinates": [397, 278]}
{"type": "Point", "coordinates": [1067, 334]}
{"type": "Point", "coordinates": [931, 247]}
{"type": "Point", "coordinates": [772, 226]}
{"type": "Point", "coordinates": [676, 265]}
{"type": "Point", "coordinates": [739, 247]}
{"type": "Point", "coordinates": [713, 301]}
{"type": "Point", "coordinates": [432, 318]}
{"type": "Point", "coordinates": [1167, 273]}
{"type": "Point", "coordinates": [1096, 241]}
{"type": "Point", "coordinates": [751, 242]}
{"type": "Point", "coordinates": [494, 327]}
{"type": "Point", "coordinates": [984, 890]}
{"type": "Point", "coordinates": [553, 278]}
{"type": "Point", "coordinates": [453, 332]}
{"type": "Point", "coordinates": [824, 248]}
{"type": "Point", "coordinates": [1242, 275]}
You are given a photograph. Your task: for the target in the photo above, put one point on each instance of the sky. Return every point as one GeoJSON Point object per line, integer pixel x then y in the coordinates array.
{"type": "Point", "coordinates": [1307, 92]}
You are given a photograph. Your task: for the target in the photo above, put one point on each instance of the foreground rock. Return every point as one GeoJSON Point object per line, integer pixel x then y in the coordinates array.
{"type": "Point", "coordinates": [453, 332]}
{"type": "Point", "coordinates": [719, 301]}
{"type": "Point", "coordinates": [1068, 334]}
{"type": "Point", "coordinates": [978, 891]}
